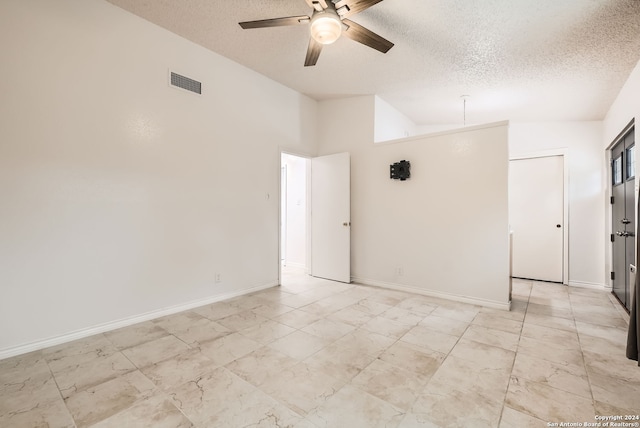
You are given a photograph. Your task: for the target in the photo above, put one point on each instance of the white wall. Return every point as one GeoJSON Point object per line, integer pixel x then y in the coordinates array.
{"type": "Point", "coordinates": [389, 123]}
{"type": "Point", "coordinates": [446, 227]}
{"type": "Point", "coordinates": [295, 226]}
{"type": "Point", "coordinates": [625, 108]}
{"type": "Point", "coordinates": [587, 188]}
{"type": "Point", "coordinates": [122, 196]}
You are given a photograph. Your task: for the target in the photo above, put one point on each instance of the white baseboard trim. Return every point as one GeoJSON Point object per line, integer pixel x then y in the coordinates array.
{"type": "Point", "coordinates": [506, 306]}
{"type": "Point", "coordinates": [591, 285]}
{"type": "Point", "coordinates": [125, 322]}
{"type": "Point", "coordinates": [295, 265]}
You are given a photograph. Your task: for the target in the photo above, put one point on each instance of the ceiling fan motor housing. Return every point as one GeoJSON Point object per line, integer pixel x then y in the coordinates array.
{"type": "Point", "coordinates": [326, 26]}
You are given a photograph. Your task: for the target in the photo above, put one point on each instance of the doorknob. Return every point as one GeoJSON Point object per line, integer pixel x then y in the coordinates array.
{"type": "Point", "coordinates": [346, 223]}
{"type": "Point", "coordinates": [625, 221]}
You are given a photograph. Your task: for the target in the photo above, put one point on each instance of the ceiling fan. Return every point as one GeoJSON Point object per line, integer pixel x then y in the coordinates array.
{"type": "Point", "coordinates": [327, 22]}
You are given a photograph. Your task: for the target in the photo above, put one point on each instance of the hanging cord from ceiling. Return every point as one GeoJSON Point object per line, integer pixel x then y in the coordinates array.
{"type": "Point", "coordinates": [464, 109]}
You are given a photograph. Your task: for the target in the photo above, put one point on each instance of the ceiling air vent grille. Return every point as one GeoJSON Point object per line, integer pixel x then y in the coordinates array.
{"type": "Point", "coordinates": [186, 83]}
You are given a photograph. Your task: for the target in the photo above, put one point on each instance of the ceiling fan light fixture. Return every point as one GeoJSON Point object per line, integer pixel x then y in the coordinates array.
{"type": "Point", "coordinates": [326, 26]}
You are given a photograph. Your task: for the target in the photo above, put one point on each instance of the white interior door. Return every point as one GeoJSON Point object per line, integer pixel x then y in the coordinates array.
{"type": "Point", "coordinates": [536, 216]}
{"type": "Point", "coordinates": [331, 217]}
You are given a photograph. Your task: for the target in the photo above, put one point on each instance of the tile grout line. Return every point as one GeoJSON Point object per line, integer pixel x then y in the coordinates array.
{"type": "Point", "coordinates": [504, 402]}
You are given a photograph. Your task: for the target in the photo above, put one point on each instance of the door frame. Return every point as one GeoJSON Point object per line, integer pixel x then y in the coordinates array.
{"type": "Point", "coordinates": [283, 215]}
{"type": "Point", "coordinates": [609, 209]}
{"type": "Point", "coordinates": [564, 152]}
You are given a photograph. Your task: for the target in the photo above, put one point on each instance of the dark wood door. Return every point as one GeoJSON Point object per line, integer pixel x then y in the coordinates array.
{"type": "Point", "coordinates": [623, 215]}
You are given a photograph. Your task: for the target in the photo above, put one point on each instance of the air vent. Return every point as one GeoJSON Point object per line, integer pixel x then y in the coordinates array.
{"type": "Point", "coordinates": [186, 83]}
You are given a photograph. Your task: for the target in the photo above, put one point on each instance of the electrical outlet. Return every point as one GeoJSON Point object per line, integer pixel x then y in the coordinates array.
{"type": "Point", "coordinates": [400, 271]}
{"type": "Point", "coordinates": [218, 278]}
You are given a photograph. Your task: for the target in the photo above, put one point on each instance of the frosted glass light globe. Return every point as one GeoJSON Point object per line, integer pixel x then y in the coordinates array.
{"type": "Point", "coordinates": [326, 27]}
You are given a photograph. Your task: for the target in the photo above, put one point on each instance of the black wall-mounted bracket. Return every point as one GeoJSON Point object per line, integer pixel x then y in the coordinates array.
{"type": "Point", "coordinates": [400, 170]}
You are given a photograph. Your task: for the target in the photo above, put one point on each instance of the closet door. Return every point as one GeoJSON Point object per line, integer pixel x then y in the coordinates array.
{"type": "Point", "coordinates": [536, 216]}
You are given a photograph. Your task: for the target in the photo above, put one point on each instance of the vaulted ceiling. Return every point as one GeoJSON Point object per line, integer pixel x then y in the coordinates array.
{"type": "Point", "coordinates": [516, 59]}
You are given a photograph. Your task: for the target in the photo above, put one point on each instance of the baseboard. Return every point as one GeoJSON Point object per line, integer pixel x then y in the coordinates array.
{"type": "Point", "coordinates": [506, 306]}
{"type": "Point", "coordinates": [295, 265]}
{"type": "Point", "coordinates": [591, 285]}
{"type": "Point", "coordinates": [125, 322]}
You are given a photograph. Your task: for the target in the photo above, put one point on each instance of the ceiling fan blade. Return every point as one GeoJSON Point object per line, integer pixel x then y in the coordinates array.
{"type": "Point", "coordinates": [313, 52]}
{"type": "Point", "coordinates": [276, 22]}
{"type": "Point", "coordinates": [367, 37]}
{"type": "Point", "coordinates": [318, 5]}
{"type": "Point", "coordinates": [354, 6]}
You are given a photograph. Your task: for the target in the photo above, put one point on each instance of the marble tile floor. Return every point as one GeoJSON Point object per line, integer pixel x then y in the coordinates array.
{"type": "Point", "coordinates": [315, 353]}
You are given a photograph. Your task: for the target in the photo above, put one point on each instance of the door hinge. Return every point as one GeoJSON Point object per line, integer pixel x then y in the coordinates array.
{"type": "Point", "coordinates": [613, 276]}
{"type": "Point", "coordinates": [612, 200]}
{"type": "Point", "coordinates": [613, 237]}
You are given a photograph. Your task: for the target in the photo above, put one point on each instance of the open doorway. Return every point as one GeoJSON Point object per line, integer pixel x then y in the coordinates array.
{"type": "Point", "coordinates": [294, 212]}
{"type": "Point", "coordinates": [328, 236]}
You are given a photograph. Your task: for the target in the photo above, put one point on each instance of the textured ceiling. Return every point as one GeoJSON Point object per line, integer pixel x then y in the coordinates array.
{"type": "Point", "coordinates": [517, 59]}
